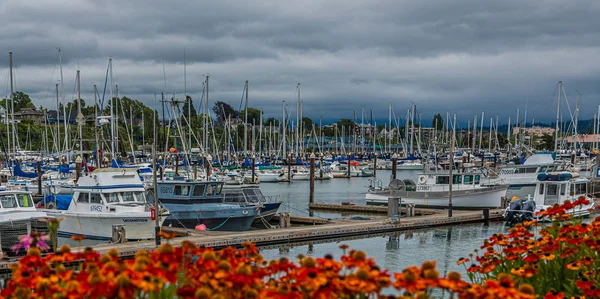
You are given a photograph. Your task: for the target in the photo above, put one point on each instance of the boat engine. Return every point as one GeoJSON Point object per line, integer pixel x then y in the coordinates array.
{"type": "Point", "coordinates": [519, 211]}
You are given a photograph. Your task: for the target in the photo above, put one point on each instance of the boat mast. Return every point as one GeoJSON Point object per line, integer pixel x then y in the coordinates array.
{"type": "Point", "coordinates": [12, 104]}
{"type": "Point", "coordinates": [481, 133]}
{"type": "Point", "coordinates": [246, 121]}
{"type": "Point", "coordinates": [557, 117]}
{"type": "Point", "coordinates": [206, 118]}
{"type": "Point", "coordinates": [79, 115]}
{"type": "Point", "coordinates": [112, 108]}
{"type": "Point", "coordinates": [283, 128]}
{"type": "Point", "coordinates": [62, 91]}
{"type": "Point", "coordinates": [97, 126]}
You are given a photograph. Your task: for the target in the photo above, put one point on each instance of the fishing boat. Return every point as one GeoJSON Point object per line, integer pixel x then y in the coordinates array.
{"type": "Point", "coordinates": [249, 195]}
{"type": "Point", "coordinates": [195, 203]}
{"type": "Point", "coordinates": [18, 216]}
{"type": "Point", "coordinates": [105, 200]}
{"type": "Point", "coordinates": [551, 188]}
{"type": "Point", "coordinates": [432, 191]}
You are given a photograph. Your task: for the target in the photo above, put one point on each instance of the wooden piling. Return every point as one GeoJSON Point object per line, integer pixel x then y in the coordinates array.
{"type": "Point", "coordinates": [375, 165]}
{"type": "Point", "coordinates": [394, 165]}
{"type": "Point", "coordinates": [312, 178]}
{"type": "Point", "coordinates": [39, 176]}
{"type": "Point", "coordinates": [321, 167]}
{"type": "Point", "coordinates": [349, 173]}
{"type": "Point", "coordinates": [208, 167]}
{"type": "Point", "coordinates": [253, 171]}
{"type": "Point", "coordinates": [289, 168]}
{"type": "Point", "coordinates": [176, 164]}
{"type": "Point", "coordinates": [78, 168]}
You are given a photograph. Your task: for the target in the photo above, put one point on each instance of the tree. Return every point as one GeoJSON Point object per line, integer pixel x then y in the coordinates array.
{"type": "Point", "coordinates": [224, 111]}
{"type": "Point", "coordinates": [253, 115]}
{"type": "Point", "coordinates": [547, 141]}
{"type": "Point", "coordinates": [437, 122]}
{"type": "Point", "coordinates": [185, 108]}
{"type": "Point", "coordinates": [272, 121]}
{"type": "Point", "coordinates": [345, 122]}
{"type": "Point", "coordinates": [21, 100]}
{"type": "Point", "coordinates": [307, 123]}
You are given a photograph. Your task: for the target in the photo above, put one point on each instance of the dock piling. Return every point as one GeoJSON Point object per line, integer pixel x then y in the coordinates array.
{"type": "Point", "coordinates": [78, 162]}
{"type": "Point", "coordinates": [375, 165]}
{"type": "Point", "coordinates": [394, 166]}
{"type": "Point", "coordinates": [208, 167]}
{"type": "Point", "coordinates": [349, 173]}
{"type": "Point", "coordinates": [321, 167]}
{"type": "Point", "coordinates": [253, 171]}
{"type": "Point", "coordinates": [394, 209]}
{"type": "Point", "coordinates": [312, 178]}
{"type": "Point", "coordinates": [289, 168]}
{"type": "Point", "coordinates": [486, 216]}
{"type": "Point", "coordinates": [39, 175]}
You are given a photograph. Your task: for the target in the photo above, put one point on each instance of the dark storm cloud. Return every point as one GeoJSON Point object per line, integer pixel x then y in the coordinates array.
{"type": "Point", "coordinates": [462, 56]}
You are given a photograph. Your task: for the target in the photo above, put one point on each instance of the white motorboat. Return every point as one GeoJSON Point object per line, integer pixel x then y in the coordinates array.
{"type": "Point", "coordinates": [105, 200]}
{"type": "Point", "coordinates": [18, 216]}
{"type": "Point", "coordinates": [272, 176]}
{"type": "Point", "coordinates": [551, 188]}
{"type": "Point", "coordinates": [432, 191]}
{"type": "Point", "coordinates": [409, 165]}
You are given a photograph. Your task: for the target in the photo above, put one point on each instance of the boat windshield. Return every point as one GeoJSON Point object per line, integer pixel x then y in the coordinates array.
{"type": "Point", "coordinates": [24, 200]}
{"type": "Point", "coordinates": [234, 196]}
{"type": "Point", "coordinates": [213, 189]}
{"type": "Point", "coordinates": [8, 201]}
{"type": "Point", "coordinates": [111, 197]}
{"type": "Point", "coordinates": [140, 196]}
{"type": "Point", "coordinates": [254, 195]}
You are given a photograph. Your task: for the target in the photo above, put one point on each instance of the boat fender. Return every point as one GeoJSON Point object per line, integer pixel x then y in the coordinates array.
{"type": "Point", "coordinates": [245, 212]}
{"type": "Point", "coordinates": [422, 179]}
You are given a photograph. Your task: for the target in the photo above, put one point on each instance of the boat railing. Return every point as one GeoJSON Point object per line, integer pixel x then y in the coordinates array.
{"type": "Point", "coordinates": [375, 184]}
{"type": "Point", "coordinates": [270, 198]}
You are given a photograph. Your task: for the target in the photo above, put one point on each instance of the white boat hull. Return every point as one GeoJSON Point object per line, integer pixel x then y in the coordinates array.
{"type": "Point", "coordinates": [271, 178]}
{"type": "Point", "coordinates": [464, 199]}
{"type": "Point", "coordinates": [138, 226]}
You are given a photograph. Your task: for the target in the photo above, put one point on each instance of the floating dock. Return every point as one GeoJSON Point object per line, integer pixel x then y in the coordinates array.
{"type": "Point", "coordinates": [335, 228]}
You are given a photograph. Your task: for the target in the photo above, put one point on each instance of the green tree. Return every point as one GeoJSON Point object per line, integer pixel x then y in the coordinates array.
{"type": "Point", "coordinates": [21, 100]}
{"type": "Point", "coordinates": [307, 123]}
{"type": "Point", "coordinates": [224, 111]}
{"type": "Point", "coordinates": [437, 122]}
{"type": "Point", "coordinates": [272, 121]}
{"type": "Point", "coordinates": [185, 108]}
{"type": "Point", "coordinates": [253, 115]}
{"type": "Point", "coordinates": [547, 141]}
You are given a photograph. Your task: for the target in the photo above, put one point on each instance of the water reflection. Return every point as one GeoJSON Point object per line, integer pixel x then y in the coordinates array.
{"type": "Point", "coordinates": [395, 251]}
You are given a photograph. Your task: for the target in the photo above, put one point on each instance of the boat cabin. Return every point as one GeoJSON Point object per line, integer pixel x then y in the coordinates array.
{"type": "Point", "coordinates": [187, 191]}
{"type": "Point", "coordinates": [556, 187]}
{"type": "Point", "coordinates": [249, 195]}
{"type": "Point", "coordinates": [440, 182]}
{"type": "Point", "coordinates": [16, 201]}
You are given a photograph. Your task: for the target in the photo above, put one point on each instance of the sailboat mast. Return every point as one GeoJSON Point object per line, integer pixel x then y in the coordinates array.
{"type": "Point", "coordinates": [79, 111]}
{"type": "Point", "coordinates": [62, 91]}
{"type": "Point", "coordinates": [12, 103]}
{"type": "Point", "coordinates": [283, 128]}
{"type": "Point", "coordinates": [112, 113]}
{"type": "Point", "coordinates": [557, 117]}
{"type": "Point", "coordinates": [206, 118]}
{"type": "Point", "coordinates": [246, 120]}
{"type": "Point", "coordinates": [97, 127]}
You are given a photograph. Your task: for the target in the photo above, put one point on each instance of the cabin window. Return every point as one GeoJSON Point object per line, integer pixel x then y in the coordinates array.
{"type": "Point", "coordinates": [541, 188]}
{"type": "Point", "coordinates": [140, 196]}
{"type": "Point", "coordinates": [477, 177]}
{"type": "Point", "coordinates": [95, 198]}
{"type": "Point", "coordinates": [199, 190]}
{"type": "Point", "coordinates": [442, 180]}
{"type": "Point", "coordinates": [83, 198]}
{"type": "Point", "coordinates": [580, 189]}
{"type": "Point", "coordinates": [112, 197]}
{"type": "Point", "coordinates": [127, 197]}
{"type": "Point", "coordinates": [24, 200]}
{"type": "Point", "coordinates": [468, 180]}
{"type": "Point", "coordinates": [531, 169]}
{"type": "Point", "coordinates": [563, 189]}
{"type": "Point", "coordinates": [551, 190]}
{"type": "Point", "coordinates": [182, 190]}
{"type": "Point", "coordinates": [457, 179]}
{"type": "Point", "coordinates": [542, 169]}
{"type": "Point", "coordinates": [234, 196]}
{"type": "Point", "coordinates": [254, 195]}
{"type": "Point", "coordinates": [8, 201]}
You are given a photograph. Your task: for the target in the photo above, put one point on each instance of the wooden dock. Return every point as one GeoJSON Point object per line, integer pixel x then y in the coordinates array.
{"type": "Point", "coordinates": [366, 209]}
{"type": "Point", "coordinates": [335, 229]}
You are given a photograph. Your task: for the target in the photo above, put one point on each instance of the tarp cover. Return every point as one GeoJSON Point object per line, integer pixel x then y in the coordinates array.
{"type": "Point", "coordinates": [62, 201]}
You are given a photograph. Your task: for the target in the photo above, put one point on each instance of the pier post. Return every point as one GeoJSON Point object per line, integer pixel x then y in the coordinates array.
{"type": "Point", "coordinates": [253, 172]}
{"type": "Point", "coordinates": [195, 170]}
{"type": "Point", "coordinates": [486, 216]}
{"type": "Point", "coordinates": [160, 168]}
{"type": "Point", "coordinates": [176, 164]}
{"type": "Point", "coordinates": [39, 175]}
{"type": "Point", "coordinates": [311, 198]}
{"type": "Point", "coordinates": [349, 173]}
{"type": "Point", "coordinates": [375, 165]}
{"type": "Point", "coordinates": [208, 167]}
{"type": "Point", "coordinates": [394, 209]}
{"type": "Point", "coordinates": [321, 167]}
{"type": "Point", "coordinates": [289, 168]}
{"type": "Point", "coordinates": [394, 165]}
{"type": "Point", "coordinates": [78, 168]}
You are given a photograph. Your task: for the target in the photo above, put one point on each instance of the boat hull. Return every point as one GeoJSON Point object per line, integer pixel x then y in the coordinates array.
{"type": "Point", "coordinates": [221, 218]}
{"type": "Point", "coordinates": [138, 226]}
{"type": "Point", "coordinates": [489, 197]}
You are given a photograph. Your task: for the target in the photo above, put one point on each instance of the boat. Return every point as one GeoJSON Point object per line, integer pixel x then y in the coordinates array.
{"type": "Point", "coordinates": [251, 195]}
{"type": "Point", "coordinates": [432, 191]}
{"type": "Point", "coordinates": [272, 176]}
{"type": "Point", "coordinates": [409, 165]}
{"type": "Point", "coordinates": [105, 200]}
{"type": "Point", "coordinates": [18, 216]}
{"type": "Point", "coordinates": [551, 188]}
{"type": "Point", "coordinates": [194, 203]}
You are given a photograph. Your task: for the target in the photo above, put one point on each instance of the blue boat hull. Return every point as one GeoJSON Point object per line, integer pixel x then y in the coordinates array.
{"type": "Point", "coordinates": [214, 217]}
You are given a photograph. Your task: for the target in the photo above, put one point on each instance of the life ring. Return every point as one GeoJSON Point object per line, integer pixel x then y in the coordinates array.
{"type": "Point", "coordinates": [245, 212]}
{"type": "Point", "coordinates": [422, 179]}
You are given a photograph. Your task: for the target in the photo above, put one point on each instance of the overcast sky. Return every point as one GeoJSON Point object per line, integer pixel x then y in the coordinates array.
{"type": "Point", "coordinates": [459, 56]}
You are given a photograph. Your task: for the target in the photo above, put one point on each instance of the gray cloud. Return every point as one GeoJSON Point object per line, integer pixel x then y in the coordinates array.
{"type": "Point", "coordinates": [462, 56]}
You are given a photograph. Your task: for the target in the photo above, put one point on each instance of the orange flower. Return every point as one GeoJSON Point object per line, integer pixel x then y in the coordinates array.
{"type": "Point", "coordinates": [574, 266]}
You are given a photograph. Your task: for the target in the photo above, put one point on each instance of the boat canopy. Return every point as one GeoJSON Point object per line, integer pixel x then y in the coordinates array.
{"type": "Point", "coordinates": [539, 159]}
